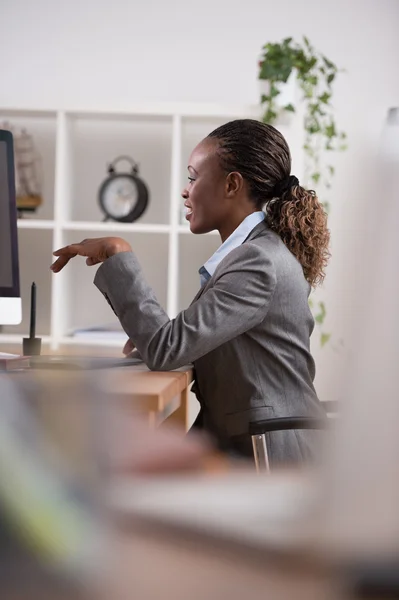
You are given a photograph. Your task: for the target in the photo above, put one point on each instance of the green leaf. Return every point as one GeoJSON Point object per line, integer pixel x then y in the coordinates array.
{"type": "Point", "coordinates": [324, 339]}
{"type": "Point", "coordinates": [324, 98]}
{"type": "Point", "coordinates": [331, 169]}
{"type": "Point", "coordinates": [316, 177]}
{"type": "Point", "coordinates": [310, 302]}
{"type": "Point", "coordinates": [269, 116]}
{"type": "Point", "coordinates": [330, 130]}
{"type": "Point", "coordinates": [330, 78]}
{"type": "Point", "coordinates": [289, 107]}
{"type": "Point", "coordinates": [319, 318]}
{"type": "Point", "coordinates": [307, 43]}
{"type": "Point", "coordinates": [313, 127]}
{"type": "Point", "coordinates": [328, 63]}
{"type": "Point", "coordinates": [274, 91]}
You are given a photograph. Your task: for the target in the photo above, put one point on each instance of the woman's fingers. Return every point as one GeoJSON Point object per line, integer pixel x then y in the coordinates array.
{"type": "Point", "coordinates": [71, 250]}
{"type": "Point", "coordinates": [65, 254]}
{"type": "Point", "coordinates": [128, 348]}
{"type": "Point", "coordinates": [96, 250]}
{"type": "Point", "coordinates": [90, 262]}
{"type": "Point", "coordinates": [63, 259]}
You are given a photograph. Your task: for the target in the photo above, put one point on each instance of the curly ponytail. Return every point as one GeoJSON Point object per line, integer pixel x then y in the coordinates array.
{"type": "Point", "coordinates": [300, 220]}
{"type": "Point", "coordinates": [260, 153]}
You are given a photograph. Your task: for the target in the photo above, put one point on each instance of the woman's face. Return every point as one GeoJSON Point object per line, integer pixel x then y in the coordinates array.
{"type": "Point", "coordinates": [205, 192]}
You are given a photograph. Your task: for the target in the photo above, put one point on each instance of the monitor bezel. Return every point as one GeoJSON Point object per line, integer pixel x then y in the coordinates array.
{"type": "Point", "coordinates": [13, 291]}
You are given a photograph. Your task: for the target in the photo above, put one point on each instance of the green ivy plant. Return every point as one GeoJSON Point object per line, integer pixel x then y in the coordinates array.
{"type": "Point", "coordinates": [315, 75]}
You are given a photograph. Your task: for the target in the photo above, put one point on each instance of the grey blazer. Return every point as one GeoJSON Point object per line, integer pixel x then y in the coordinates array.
{"type": "Point", "coordinates": [246, 332]}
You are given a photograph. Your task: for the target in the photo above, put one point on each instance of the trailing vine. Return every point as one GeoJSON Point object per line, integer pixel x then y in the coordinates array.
{"type": "Point", "coordinates": [315, 75]}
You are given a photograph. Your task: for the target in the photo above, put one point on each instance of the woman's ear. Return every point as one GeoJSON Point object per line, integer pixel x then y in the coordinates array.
{"type": "Point", "coordinates": [234, 184]}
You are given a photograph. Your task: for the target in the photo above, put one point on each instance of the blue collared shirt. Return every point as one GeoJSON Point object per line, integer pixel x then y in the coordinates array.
{"type": "Point", "coordinates": [233, 241]}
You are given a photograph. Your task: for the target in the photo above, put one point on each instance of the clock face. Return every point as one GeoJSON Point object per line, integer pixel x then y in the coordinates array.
{"type": "Point", "coordinates": [120, 196]}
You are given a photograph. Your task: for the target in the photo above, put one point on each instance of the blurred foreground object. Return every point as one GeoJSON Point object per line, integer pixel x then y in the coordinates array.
{"type": "Point", "coordinates": [50, 534]}
{"type": "Point", "coordinates": [62, 441]}
{"type": "Point", "coordinates": [361, 520]}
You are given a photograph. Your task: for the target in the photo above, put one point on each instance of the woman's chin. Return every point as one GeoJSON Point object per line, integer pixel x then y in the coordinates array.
{"type": "Point", "coordinates": [193, 226]}
{"type": "Point", "coordinates": [198, 227]}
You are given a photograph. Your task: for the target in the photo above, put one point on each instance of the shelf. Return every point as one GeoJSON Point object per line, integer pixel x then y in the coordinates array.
{"type": "Point", "coordinates": [76, 147]}
{"type": "Point", "coordinates": [13, 338]}
{"type": "Point", "coordinates": [28, 113]}
{"type": "Point", "coordinates": [114, 226]}
{"type": "Point", "coordinates": [94, 144]}
{"type": "Point", "coordinates": [16, 339]}
{"type": "Point", "coordinates": [42, 126]}
{"type": "Point", "coordinates": [156, 109]}
{"type": "Point", "coordinates": [35, 224]}
{"type": "Point", "coordinates": [82, 341]}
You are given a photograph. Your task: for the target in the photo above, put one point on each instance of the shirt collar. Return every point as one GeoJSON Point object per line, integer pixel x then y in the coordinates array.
{"type": "Point", "coordinates": [233, 241]}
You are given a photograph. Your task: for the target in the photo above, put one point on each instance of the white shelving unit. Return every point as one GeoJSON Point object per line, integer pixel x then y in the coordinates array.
{"type": "Point", "coordinates": [76, 147]}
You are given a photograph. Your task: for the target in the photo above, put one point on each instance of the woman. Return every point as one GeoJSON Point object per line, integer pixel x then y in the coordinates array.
{"type": "Point", "coordinates": [247, 331]}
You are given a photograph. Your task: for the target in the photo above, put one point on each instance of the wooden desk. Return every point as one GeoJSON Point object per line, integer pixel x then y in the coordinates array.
{"type": "Point", "coordinates": [162, 395]}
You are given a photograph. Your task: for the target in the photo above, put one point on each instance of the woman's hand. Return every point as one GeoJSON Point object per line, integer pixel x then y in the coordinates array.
{"type": "Point", "coordinates": [96, 250]}
{"type": "Point", "coordinates": [128, 348]}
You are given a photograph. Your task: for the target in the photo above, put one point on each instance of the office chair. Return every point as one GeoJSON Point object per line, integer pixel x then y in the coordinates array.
{"type": "Point", "coordinates": [259, 429]}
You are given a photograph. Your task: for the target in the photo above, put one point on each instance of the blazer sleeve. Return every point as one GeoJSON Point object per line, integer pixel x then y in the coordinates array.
{"type": "Point", "coordinates": [238, 300]}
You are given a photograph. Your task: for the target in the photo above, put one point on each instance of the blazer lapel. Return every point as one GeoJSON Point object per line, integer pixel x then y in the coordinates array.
{"type": "Point", "coordinates": [201, 291]}
{"type": "Point", "coordinates": [256, 231]}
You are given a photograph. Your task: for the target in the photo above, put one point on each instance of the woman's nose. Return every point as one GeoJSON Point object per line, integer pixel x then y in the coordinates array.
{"type": "Point", "coordinates": [184, 194]}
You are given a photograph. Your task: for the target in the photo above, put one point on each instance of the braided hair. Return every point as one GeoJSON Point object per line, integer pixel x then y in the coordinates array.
{"type": "Point", "coordinates": [261, 155]}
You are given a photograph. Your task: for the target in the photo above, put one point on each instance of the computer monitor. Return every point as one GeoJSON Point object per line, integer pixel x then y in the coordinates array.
{"type": "Point", "coordinates": [10, 297]}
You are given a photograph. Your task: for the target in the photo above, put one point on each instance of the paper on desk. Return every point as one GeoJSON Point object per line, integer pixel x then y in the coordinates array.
{"type": "Point", "coordinates": [7, 355]}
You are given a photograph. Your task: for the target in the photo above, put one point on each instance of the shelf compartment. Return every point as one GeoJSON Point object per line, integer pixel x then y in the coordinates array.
{"type": "Point", "coordinates": [42, 127]}
{"type": "Point", "coordinates": [35, 224]}
{"type": "Point", "coordinates": [84, 305]}
{"type": "Point", "coordinates": [110, 226]}
{"type": "Point", "coordinates": [35, 258]}
{"type": "Point", "coordinates": [95, 143]}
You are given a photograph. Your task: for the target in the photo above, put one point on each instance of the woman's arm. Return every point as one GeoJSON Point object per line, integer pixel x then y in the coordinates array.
{"type": "Point", "coordinates": [243, 286]}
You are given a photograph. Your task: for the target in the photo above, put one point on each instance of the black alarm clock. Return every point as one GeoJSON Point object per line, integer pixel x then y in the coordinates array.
{"type": "Point", "coordinates": [123, 196]}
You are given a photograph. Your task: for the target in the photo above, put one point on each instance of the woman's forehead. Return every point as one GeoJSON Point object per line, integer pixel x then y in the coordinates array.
{"type": "Point", "coordinates": [204, 154]}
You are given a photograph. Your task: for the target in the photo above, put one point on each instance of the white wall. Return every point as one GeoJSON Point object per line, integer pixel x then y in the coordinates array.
{"type": "Point", "coordinates": [89, 53]}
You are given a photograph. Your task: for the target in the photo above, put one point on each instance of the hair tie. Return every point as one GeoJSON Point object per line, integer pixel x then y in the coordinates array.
{"type": "Point", "coordinates": [285, 185]}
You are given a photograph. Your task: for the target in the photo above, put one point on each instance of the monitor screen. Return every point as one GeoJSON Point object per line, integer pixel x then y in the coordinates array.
{"type": "Point", "coordinates": [9, 271]}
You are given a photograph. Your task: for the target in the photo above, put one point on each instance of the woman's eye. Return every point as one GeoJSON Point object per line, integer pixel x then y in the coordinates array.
{"type": "Point", "coordinates": [191, 179]}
